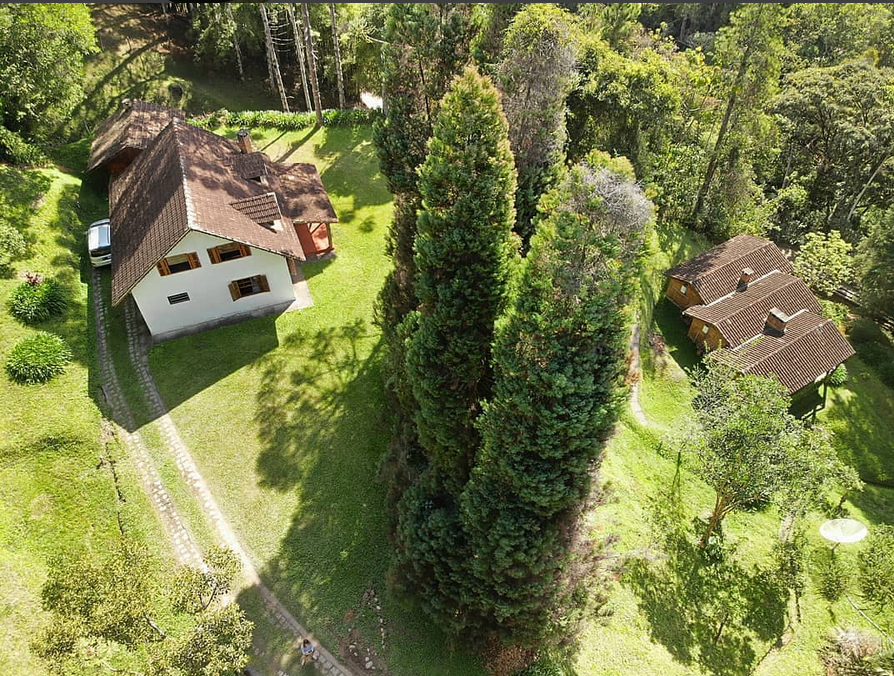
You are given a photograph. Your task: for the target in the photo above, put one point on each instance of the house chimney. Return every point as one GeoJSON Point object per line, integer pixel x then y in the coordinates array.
{"type": "Point", "coordinates": [776, 321]}
{"type": "Point", "coordinates": [244, 140]}
{"type": "Point", "coordinates": [126, 103]}
{"type": "Point", "coordinates": [745, 279]}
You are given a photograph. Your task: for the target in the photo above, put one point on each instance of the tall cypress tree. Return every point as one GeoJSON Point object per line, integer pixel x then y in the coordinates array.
{"type": "Point", "coordinates": [536, 74]}
{"type": "Point", "coordinates": [464, 255]}
{"type": "Point", "coordinates": [464, 248]}
{"type": "Point", "coordinates": [427, 45]}
{"type": "Point", "coordinates": [559, 359]}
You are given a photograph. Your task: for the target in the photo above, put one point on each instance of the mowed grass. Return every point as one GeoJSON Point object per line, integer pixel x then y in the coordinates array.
{"type": "Point", "coordinates": [286, 419]}
{"type": "Point", "coordinates": [663, 612]}
{"type": "Point", "coordinates": [54, 495]}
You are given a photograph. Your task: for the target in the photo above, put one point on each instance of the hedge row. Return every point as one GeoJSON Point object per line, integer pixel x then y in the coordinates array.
{"type": "Point", "coordinates": [16, 150]}
{"type": "Point", "coordinates": [275, 119]}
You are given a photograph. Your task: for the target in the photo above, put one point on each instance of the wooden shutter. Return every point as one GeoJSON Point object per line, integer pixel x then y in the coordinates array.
{"type": "Point", "coordinates": [262, 282]}
{"type": "Point", "coordinates": [214, 255]}
{"type": "Point", "coordinates": [193, 260]}
{"type": "Point", "coordinates": [163, 268]}
{"type": "Point", "coordinates": [244, 250]}
{"type": "Point", "coordinates": [234, 291]}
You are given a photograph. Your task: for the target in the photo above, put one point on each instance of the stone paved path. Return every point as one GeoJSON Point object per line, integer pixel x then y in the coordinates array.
{"type": "Point", "coordinates": [185, 547]}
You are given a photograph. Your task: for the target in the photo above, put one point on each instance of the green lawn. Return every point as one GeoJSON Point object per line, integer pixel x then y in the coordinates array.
{"type": "Point", "coordinates": [286, 419]}
{"type": "Point", "coordinates": [664, 610]}
{"type": "Point", "coordinates": [53, 495]}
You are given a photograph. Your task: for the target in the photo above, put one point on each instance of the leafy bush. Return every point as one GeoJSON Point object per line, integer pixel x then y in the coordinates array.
{"type": "Point", "coordinates": [853, 652]}
{"type": "Point", "coordinates": [275, 119]}
{"type": "Point", "coordinates": [839, 376]}
{"type": "Point", "coordinates": [37, 358]}
{"type": "Point", "coordinates": [833, 577]}
{"type": "Point", "coordinates": [877, 568]}
{"type": "Point", "coordinates": [837, 312]}
{"type": "Point", "coordinates": [543, 667]}
{"type": "Point", "coordinates": [12, 244]}
{"type": "Point", "coordinates": [37, 300]}
{"type": "Point", "coordinates": [15, 150]}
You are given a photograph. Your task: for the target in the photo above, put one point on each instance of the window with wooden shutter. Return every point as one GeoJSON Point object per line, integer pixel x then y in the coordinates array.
{"type": "Point", "coordinates": [228, 252]}
{"type": "Point", "coordinates": [178, 263]}
{"type": "Point", "coordinates": [249, 286]}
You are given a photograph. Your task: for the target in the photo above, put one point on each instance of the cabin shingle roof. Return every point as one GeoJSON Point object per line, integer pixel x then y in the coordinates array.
{"type": "Point", "coordinates": [714, 273]}
{"type": "Point", "coordinates": [133, 126]}
{"type": "Point", "coordinates": [740, 315]}
{"type": "Point", "coordinates": [185, 180]}
{"type": "Point", "coordinates": [810, 347]}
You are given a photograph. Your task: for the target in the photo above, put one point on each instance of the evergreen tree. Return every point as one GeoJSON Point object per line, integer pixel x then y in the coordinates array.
{"type": "Point", "coordinates": [464, 253]}
{"type": "Point", "coordinates": [559, 358]}
{"type": "Point", "coordinates": [536, 75]}
{"type": "Point", "coordinates": [464, 248]}
{"type": "Point", "coordinates": [426, 45]}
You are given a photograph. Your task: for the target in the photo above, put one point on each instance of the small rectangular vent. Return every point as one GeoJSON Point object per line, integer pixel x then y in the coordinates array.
{"type": "Point", "coordinates": [178, 298]}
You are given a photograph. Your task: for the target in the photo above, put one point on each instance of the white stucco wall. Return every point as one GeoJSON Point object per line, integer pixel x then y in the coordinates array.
{"type": "Point", "coordinates": [207, 286]}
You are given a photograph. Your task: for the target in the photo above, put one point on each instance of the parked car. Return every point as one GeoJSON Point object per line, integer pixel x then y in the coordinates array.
{"type": "Point", "coordinates": [99, 243]}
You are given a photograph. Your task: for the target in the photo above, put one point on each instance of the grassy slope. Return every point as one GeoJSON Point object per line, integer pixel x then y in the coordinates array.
{"type": "Point", "coordinates": [138, 59]}
{"type": "Point", "coordinates": [285, 418]}
{"type": "Point", "coordinates": [53, 497]}
{"type": "Point", "coordinates": [653, 629]}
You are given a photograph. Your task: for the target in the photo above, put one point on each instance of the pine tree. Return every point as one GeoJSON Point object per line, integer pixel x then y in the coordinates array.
{"type": "Point", "coordinates": [559, 358]}
{"type": "Point", "coordinates": [464, 254]}
{"type": "Point", "coordinates": [536, 74]}
{"type": "Point", "coordinates": [312, 65]}
{"type": "Point", "coordinates": [426, 46]}
{"type": "Point", "coordinates": [464, 248]}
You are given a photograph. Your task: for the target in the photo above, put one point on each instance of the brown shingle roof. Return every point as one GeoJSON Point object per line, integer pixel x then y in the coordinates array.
{"type": "Point", "coordinates": [740, 315]}
{"type": "Point", "coordinates": [715, 272]}
{"type": "Point", "coordinates": [302, 195]}
{"type": "Point", "coordinates": [134, 125]}
{"type": "Point", "coordinates": [260, 208]}
{"type": "Point", "coordinates": [810, 347]}
{"type": "Point", "coordinates": [185, 181]}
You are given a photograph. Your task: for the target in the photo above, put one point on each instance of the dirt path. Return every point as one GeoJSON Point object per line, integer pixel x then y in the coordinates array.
{"type": "Point", "coordinates": [184, 545]}
{"type": "Point", "coordinates": [633, 373]}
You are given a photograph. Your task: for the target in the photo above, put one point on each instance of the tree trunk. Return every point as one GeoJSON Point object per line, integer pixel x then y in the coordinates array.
{"type": "Point", "coordinates": [338, 73]}
{"type": "Point", "coordinates": [273, 62]}
{"type": "Point", "coordinates": [235, 41]}
{"type": "Point", "coordinates": [721, 135]}
{"type": "Point", "coordinates": [312, 65]}
{"type": "Point", "coordinates": [850, 214]}
{"type": "Point", "coordinates": [299, 50]}
{"type": "Point", "coordinates": [720, 506]}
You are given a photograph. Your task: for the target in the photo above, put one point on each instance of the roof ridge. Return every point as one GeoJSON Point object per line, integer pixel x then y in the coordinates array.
{"type": "Point", "coordinates": [181, 160]}
{"type": "Point", "coordinates": [736, 290]}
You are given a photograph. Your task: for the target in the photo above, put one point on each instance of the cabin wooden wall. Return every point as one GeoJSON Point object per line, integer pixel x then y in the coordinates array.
{"type": "Point", "coordinates": [712, 339]}
{"type": "Point", "coordinates": [681, 300]}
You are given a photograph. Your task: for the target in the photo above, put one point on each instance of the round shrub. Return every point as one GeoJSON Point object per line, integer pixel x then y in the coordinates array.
{"type": "Point", "coordinates": [839, 376]}
{"type": "Point", "coordinates": [37, 358]}
{"type": "Point", "coordinates": [12, 244]}
{"type": "Point", "coordinates": [37, 300]}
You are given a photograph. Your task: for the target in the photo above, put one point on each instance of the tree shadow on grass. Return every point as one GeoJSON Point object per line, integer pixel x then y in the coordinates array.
{"type": "Point", "coordinates": [707, 610]}
{"type": "Point", "coordinates": [668, 321]}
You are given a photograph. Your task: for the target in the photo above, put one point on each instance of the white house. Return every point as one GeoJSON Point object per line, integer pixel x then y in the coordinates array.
{"type": "Point", "coordinates": [207, 232]}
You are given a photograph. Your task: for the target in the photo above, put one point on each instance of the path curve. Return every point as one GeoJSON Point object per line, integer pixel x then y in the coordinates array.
{"type": "Point", "coordinates": [186, 550]}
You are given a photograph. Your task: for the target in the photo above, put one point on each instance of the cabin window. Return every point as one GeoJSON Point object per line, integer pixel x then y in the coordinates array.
{"type": "Point", "coordinates": [228, 252]}
{"type": "Point", "coordinates": [178, 298]}
{"type": "Point", "coordinates": [249, 286]}
{"type": "Point", "coordinates": [682, 289]}
{"type": "Point", "coordinates": [178, 263]}
{"type": "Point", "coordinates": [705, 329]}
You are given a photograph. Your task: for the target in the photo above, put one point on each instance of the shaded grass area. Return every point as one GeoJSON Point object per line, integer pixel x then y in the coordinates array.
{"type": "Point", "coordinates": [674, 612]}
{"type": "Point", "coordinates": [56, 496]}
{"type": "Point", "coordinates": [143, 55]}
{"type": "Point", "coordinates": [286, 419]}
